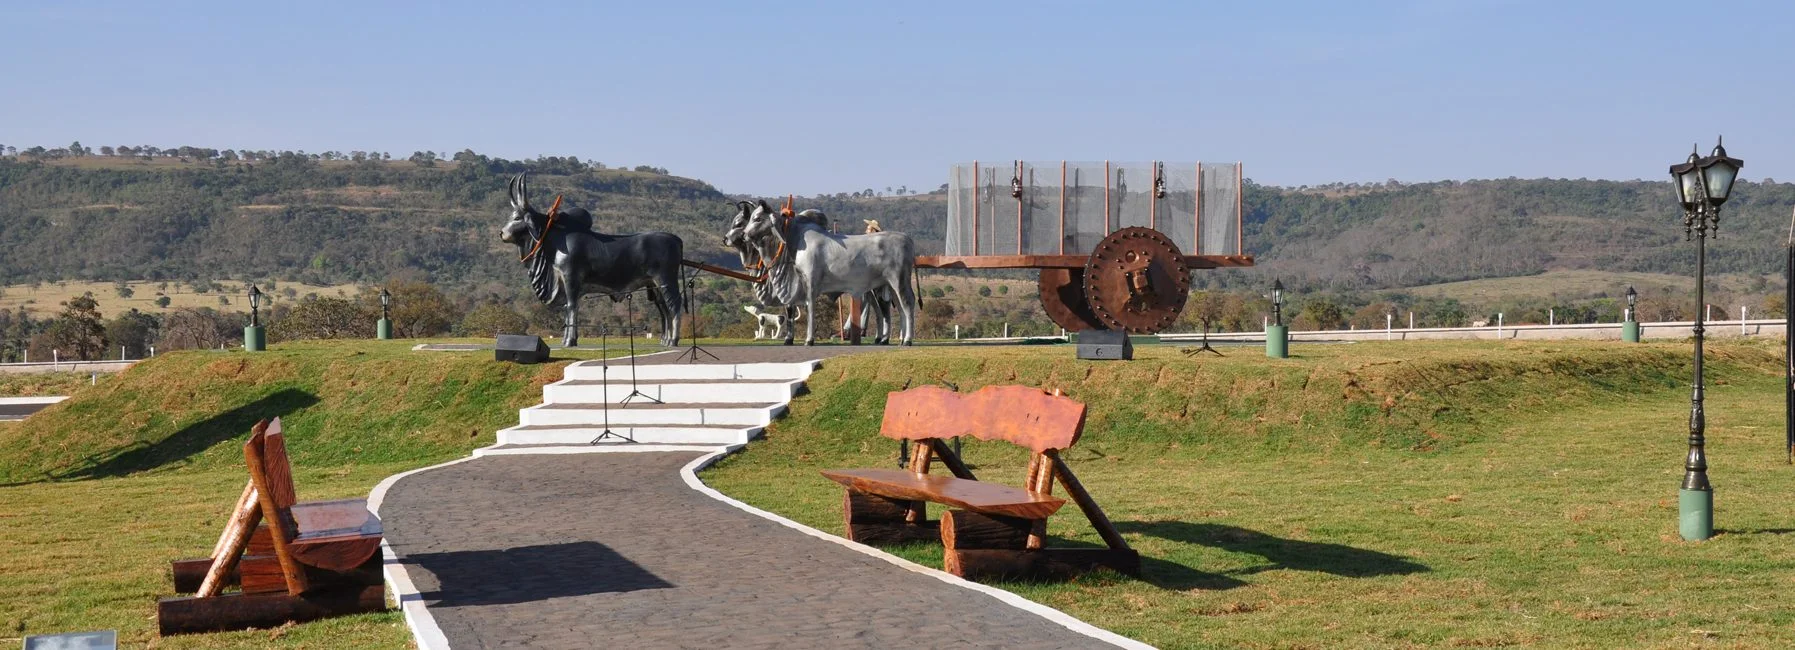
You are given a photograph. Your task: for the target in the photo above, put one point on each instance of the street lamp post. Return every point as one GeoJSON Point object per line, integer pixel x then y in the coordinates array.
{"type": "Point", "coordinates": [254, 339]}
{"type": "Point", "coordinates": [1702, 184]}
{"type": "Point", "coordinates": [1629, 329]}
{"type": "Point", "coordinates": [384, 329]}
{"type": "Point", "coordinates": [1277, 337]}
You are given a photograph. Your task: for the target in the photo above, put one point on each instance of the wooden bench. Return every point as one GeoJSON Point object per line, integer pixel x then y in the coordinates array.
{"type": "Point", "coordinates": [291, 561]}
{"type": "Point", "coordinates": [992, 530]}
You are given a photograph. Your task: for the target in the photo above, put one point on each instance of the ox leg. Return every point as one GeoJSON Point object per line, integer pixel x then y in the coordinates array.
{"type": "Point", "coordinates": [570, 328]}
{"type": "Point", "coordinates": [906, 299]}
{"type": "Point", "coordinates": [788, 323]}
{"type": "Point", "coordinates": [810, 323]}
{"type": "Point", "coordinates": [672, 305]}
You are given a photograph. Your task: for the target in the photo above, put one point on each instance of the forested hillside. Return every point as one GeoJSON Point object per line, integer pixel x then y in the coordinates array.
{"type": "Point", "coordinates": [300, 217]}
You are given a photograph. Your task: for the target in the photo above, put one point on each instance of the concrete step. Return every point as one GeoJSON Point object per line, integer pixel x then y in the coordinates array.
{"type": "Point", "coordinates": [747, 391]}
{"type": "Point", "coordinates": [620, 371]}
{"type": "Point", "coordinates": [663, 435]}
{"type": "Point", "coordinates": [644, 414]}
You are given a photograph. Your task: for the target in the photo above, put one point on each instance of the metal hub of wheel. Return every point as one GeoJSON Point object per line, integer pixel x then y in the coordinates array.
{"type": "Point", "coordinates": [1062, 297]}
{"type": "Point", "coordinates": [1135, 280]}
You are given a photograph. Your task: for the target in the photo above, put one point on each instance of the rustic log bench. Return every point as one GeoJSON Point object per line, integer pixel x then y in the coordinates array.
{"type": "Point", "coordinates": [292, 561]}
{"type": "Point", "coordinates": [992, 530]}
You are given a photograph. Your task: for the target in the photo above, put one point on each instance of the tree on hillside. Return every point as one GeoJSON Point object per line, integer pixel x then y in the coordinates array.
{"type": "Point", "coordinates": [418, 309]}
{"type": "Point", "coordinates": [1326, 315]}
{"type": "Point", "coordinates": [200, 328]}
{"type": "Point", "coordinates": [123, 290]}
{"type": "Point", "coordinates": [106, 150]}
{"type": "Point", "coordinates": [78, 332]}
{"type": "Point", "coordinates": [324, 318]}
{"type": "Point", "coordinates": [135, 331]}
{"type": "Point", "coordinates": [492, 320]}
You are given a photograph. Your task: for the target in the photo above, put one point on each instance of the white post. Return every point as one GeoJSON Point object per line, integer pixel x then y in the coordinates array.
{"type": "Point", "coordinates": [27, 355]}
{"type": "Point", "coordinates": [1742, 320]}
{"type": "Point", "coordinates": [1006, 330]}
{"type": "Point", "coordinates": [1709, 311]}
{"type": "Point", "coordinates": [1411, 320]}
{"type": "Point", "coordinates": [121, 353]}
{"type": "Point", "coordinates": [1264, 323]}
{"type": "Point", "coordinates": [1498, 325]}
{"type": "Point", "coordinates": [956, 332]}
{"type": "Point", "coordinates": [1551, 316]}
{"type": "Point", "coordinates": [152, 352]}
{"type": "Point", "coordinates": [55, 359]}
{"type": "Point", "coordinates": [1387, 319]}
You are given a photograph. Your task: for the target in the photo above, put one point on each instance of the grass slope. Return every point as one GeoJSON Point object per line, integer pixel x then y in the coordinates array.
{"type": "Point", "coordinates": [98, 493]}
{"type": "Point", "coordinates": [1373, 495]}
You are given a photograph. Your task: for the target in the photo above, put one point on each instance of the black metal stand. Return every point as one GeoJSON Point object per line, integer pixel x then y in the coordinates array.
{"type": "Point", "coordinates": [691, 312]}
{"type": "Point", "coordinates": [1205, 346]}
{"type": "Point", "coordinates": [629, 304]}
{"type": "Point", "coordinates": [604, 363]}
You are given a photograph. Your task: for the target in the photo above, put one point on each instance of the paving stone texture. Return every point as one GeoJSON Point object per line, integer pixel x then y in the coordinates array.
{"type": "Point", "coordinates": [616, 551]}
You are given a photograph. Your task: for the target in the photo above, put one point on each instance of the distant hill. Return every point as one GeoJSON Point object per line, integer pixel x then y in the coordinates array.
{"type": "Point", "coordinates": [300, 219]}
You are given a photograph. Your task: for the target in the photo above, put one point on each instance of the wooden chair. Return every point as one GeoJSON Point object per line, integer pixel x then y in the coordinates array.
{"type": "Point", "coordinates": [993, 530]}
{"type": "Point", "coordinates": [292, 561]}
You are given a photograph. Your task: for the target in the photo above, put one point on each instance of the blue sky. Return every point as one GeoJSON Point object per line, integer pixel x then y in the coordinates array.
{"type": "Point", "coordinates": [840, 96]}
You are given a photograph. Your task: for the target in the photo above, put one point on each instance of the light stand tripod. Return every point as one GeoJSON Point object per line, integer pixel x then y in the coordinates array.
{"type": "Point", "coordinates": [691, 301]}
{"type": "Point", "coordinates": [629, 303]}
{"type": "Point", "coordinates": [604, 374]}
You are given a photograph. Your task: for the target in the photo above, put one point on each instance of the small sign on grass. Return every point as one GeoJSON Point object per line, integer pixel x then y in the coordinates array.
{"type": "Point", "coordinates": [104, 640]}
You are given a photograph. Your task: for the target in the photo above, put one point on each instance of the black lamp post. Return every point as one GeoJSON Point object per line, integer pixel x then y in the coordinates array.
{"type": "Point", "coordinates": [1703, 184]}
{"type": "Point", "coordinates": [1632, 303]}
{"type": "Point", "coordinates": [384, 329]}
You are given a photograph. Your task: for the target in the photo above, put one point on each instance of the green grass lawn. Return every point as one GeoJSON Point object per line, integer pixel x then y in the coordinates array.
{"type": "Point", "coordinates": [99, 493]}
{"type": "Point", "coordinates": [1372, 495]}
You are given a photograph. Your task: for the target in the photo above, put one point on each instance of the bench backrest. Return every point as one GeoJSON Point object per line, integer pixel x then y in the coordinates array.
{"type": "Point", "coordinates": [1019, 414]}
{"type": "Point", "coordinates": [268, 447]}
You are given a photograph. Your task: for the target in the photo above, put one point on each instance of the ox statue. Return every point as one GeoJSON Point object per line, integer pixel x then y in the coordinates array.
{"type": "Point", "coordinates": [804, 261]}
{"type": "Point", "coordinates": [566, 260]}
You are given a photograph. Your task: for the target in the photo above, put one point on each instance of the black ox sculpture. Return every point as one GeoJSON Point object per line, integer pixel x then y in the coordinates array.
{"type": "Point", "coordinates": [566, 260]}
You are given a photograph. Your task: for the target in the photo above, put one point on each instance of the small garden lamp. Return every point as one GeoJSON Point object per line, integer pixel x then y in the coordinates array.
{"type": "Point", "coordinates": [1277, 302]}
{"type": "Point", "coordinates": [1632, 303]}
{"type": "Point", "coordinates": [253, 339]}
{"type": "Point", "coordinates": [255, 306]}
{"type": "Point", "coordinates": [383, 329]}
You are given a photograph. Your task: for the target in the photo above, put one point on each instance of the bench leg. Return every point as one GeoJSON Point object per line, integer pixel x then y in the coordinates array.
{"type": "Point", "coordinates": [991, 546]}
{"type": "Point", "coordinates": [876, 521]}
{"type": "Point", "coordinates": [239, 611]}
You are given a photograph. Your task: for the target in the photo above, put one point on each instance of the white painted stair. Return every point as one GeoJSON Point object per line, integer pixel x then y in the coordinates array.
{"type": "Point", "coordinates": [700, 404]}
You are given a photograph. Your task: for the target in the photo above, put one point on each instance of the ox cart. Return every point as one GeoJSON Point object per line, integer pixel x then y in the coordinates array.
{"type": "Point", "coordinates": [1114, 242]}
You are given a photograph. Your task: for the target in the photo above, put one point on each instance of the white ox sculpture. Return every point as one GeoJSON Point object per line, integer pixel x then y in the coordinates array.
{"type": "Point", "coordinates": [804, 261]}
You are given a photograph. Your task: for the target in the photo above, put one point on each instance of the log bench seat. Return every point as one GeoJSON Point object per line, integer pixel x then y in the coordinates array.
{"type": "Point", "coordinates": [976, 496]}
{"type": "Point", "coordinates": [992, 529]}
{"type": "Point", "coordinates": [291, 561]}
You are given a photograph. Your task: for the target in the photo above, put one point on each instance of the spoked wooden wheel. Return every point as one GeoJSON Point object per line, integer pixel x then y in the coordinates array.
{"type": "Point", "coordinates": [1136, 280]}
{"type": "Point", "coordinates": [1062, 296]}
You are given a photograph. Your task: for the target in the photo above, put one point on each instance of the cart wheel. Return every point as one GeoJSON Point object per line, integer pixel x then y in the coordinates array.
{"type": "Point", "coordinates": [1062, 296]}
{"type": "Point", "coordinates": [1136, 280]}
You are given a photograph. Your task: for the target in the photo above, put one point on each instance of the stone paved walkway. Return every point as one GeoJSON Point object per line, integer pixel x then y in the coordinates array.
{"type": "Point", "coordinates": [615, 550]}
